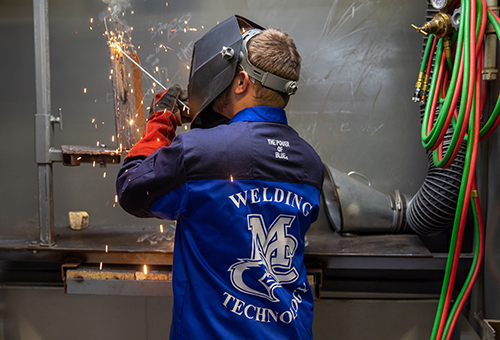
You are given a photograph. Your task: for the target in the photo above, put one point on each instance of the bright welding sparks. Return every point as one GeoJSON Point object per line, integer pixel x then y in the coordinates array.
{"type": "Point", "coordinates": [106, 249]}
{"type": "Point", "coordinates": [104, 175]}
{"type": "Point", "coordinates": [84, 90]}
{"type": "Point", "coordinates": [145, 269]}
{"type": "Point", "coordinates": [161, 228]}
{"type": "Point", "coordinates": [100, 266]}
{"type": "Point", "coordinates": [131, 122]}
{"type": "Point", "coordinates": [93, 120]}
{"type": "Point", "coordinates": [231, 177]}
{"type": "Point", "coordinates": [116, 198]}
{"type": "Point", "coordinates": [112, 138]}
{"type": "Point", "coordinates": [91, 20]}
{"type": "Point", "coordinates": [93, 164]}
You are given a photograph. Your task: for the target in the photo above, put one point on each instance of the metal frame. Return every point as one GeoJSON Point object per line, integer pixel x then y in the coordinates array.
{"type": "Point", "coordinates": [44, 129]}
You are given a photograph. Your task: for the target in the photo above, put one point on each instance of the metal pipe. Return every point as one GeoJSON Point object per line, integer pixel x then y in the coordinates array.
{"type": "Point", "coordinates": [490, 70]}
{"type": "Point", "coordinates": [44, 131]}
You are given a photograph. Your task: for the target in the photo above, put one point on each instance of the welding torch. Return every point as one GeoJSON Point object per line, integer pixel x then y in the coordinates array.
{"type": "Point", "coordinates": [149, 75]}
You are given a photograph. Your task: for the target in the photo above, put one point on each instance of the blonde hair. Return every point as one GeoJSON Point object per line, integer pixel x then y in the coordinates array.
{"type": "Point", "coordinates": [274, 51]}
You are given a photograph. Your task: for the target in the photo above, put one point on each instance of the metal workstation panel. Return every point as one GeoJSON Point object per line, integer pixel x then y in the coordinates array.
{"type": "Point", "coordinates": [360, 62]}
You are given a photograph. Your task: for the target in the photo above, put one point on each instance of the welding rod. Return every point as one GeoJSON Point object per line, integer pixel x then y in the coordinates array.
{"type": "Point", "coordinates": [149, 75]}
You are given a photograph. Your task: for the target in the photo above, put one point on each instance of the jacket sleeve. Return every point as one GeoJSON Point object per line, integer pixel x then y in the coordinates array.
{"type": "Point", "coordinates": [153, 167]}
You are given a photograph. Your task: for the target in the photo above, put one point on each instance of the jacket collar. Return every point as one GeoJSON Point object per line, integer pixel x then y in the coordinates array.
{"type": "Point", "coordinates": [260, 114]}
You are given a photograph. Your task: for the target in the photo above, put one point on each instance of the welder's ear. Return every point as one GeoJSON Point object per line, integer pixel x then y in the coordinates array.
{"type": "Point", "coordinates": [242, 82]}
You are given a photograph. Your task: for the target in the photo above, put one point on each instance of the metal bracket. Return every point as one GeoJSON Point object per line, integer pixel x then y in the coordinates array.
{"type": "Point", "coordinates": [491, 329]}
{"type": "Point", "coordinates": [57, 120]}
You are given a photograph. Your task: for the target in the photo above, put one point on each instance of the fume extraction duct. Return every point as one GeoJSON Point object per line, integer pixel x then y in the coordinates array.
{"type": "Point", "coordinates": [354, 207]}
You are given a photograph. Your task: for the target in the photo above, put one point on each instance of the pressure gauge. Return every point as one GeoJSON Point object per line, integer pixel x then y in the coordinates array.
{"type": "Point", "coordinates": [440, 4]}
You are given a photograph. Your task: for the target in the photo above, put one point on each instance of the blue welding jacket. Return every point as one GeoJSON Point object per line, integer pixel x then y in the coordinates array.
{"type": "Point", "coordinates": [244, 195]}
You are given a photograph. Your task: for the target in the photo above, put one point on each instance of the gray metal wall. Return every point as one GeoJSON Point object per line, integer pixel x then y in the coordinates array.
{"type": "Point", "coordinates": [360, 65]}
{"type": "Point", "coordinates": [30, 314]}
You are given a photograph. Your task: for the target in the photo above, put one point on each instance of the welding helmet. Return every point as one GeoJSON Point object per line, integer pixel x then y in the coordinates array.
{"type": "Point", "coordinates": [215, 60]}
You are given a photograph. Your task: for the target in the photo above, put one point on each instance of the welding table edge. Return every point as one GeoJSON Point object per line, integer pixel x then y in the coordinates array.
{"type": "Point", "coordinates": [345, 252]}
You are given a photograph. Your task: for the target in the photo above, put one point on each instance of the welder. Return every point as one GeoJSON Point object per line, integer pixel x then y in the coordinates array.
{"type": "Point", "coordinates": [242, 185]}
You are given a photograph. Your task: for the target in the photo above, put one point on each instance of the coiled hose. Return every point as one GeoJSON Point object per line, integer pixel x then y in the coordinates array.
{"type": "Point", "coordinates": [432, 209]}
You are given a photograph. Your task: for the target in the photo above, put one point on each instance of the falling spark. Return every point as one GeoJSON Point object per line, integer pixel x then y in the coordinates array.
{"type": "Point", "coordinates": [91, 20]}
{"type": "Point", "coordinates": [112, 138]}
{"type": "Point", "coordinates": [187, 66]}
{"type": "Point", "coordinates": [79, 158]}
{"type": "Point", "coordinates": [116, 198]}
{"type": "Point", "coordinates": [110, 77]}
{"type": "Point", "coordinates": [156, 68]}
{"type": "Point", "coordinates": [90, 28]}
{"type": "Point", "coordinates": [185, 22]}
{"type": "Point", "coordinates": [104, 175]}
{"type": "Point", "coordinates": [157, 139]}
{"type": "Point", "coordinates": [131, 122]}
{"type": "Point", "coordinates": [231, 177]}
{"type": "Point", "coordinates": [166, 3]}
{"type": "Point", "coordinates": [131, 12]}
{"type": "Point", "coordinates": [145, 269]}
{"type": "Point", "coordinates": [161, 228]}
{"type": "Point", "coordinates": [100, 266]}
{"type": "Point", "coordinates": [131, 28]}
{"type": "Point", "coordinates": [131, 90]}
{"type": "Point", "coordinates": [93, 120]}
{"type": "Point", "coordinates": [97, 143]}
{"type": "Point", "coordinates": [84, 90]}
{"type": "Point", "coordinates": [93, 164]}
{"type": "Point", "coordinates": [185, 127]}
{"type": "Point", "coordinates": [106, 249]}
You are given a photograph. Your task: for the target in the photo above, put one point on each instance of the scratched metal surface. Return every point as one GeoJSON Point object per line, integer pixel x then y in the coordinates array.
{"type": "Point", "coordinates": [360, 62]}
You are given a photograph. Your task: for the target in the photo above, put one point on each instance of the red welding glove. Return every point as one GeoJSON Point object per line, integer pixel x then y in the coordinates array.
{"type": "Point", "coordinates": [175, 100]}
{"type": "Point", "coordinates": [164, 118]}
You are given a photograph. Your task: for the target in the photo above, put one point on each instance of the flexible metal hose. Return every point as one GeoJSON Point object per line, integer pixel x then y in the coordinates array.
{"type": "Point", "coordinates": [433, 207]}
